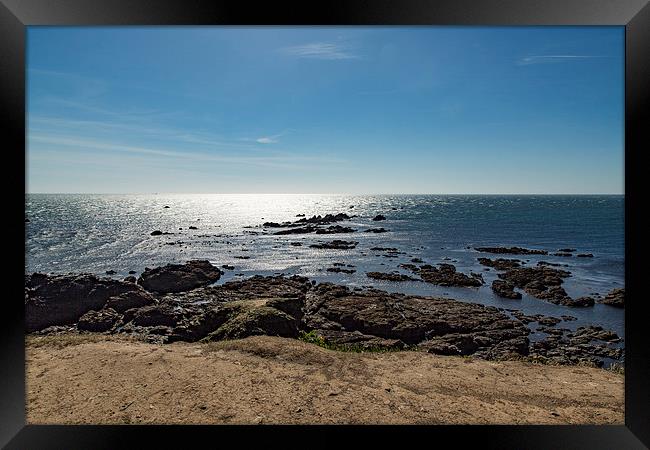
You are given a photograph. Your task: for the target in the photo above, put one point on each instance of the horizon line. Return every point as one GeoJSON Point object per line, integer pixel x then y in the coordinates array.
{"type": "Point", "coordinates": [315, 193]}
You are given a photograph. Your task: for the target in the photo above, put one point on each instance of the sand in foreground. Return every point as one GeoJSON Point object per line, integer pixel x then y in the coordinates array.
{"type": "Point", "coordinates": [114, 380]}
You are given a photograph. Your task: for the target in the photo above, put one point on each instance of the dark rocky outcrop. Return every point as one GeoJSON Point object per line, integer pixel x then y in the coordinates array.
{"type": "Point", "coordinates": [262, 320]}
{"type": "Point", "coordinates": [158, 233]}
{"type": "Point", "coordinates": [179, 277]}
{"type": "Point", "coordinates": [63, 299]}
{"type": "Point", "coordinates": [98, 321]}
{"type": "Point", "coordinates": [585, 255]}
{"type": "Point", "coordinates": [541, 282]}
{"type": "Point", "coordinates": [131, 299]}
{"type": "Point", "coordinates": [446, 275]}
{"type": "Point", "coordinates": [577, 347]}
{"type": "Point", "coordinates": [511, 250]}
{"type": "Point", "coordinates": [314, 220]}
{"type": "Point", "coordinates": [340, 270]}
{"type": "Point", "coordinates": [378, 217]}
{"type": "Point", "coordinates": [505, 289]}
{"type": "Point", "coordinates": [376, 230]}
{"type": "Point", "coordinates": [392, 276]}
{"type": "Point", "coordinates": [615, 298]}
{"type": "Point", "coordinates": [286, 306]}
{"type": "Point", "coordinates": [333, 229]}
{"type": "Point", "coordinates": [357, 340]}
{"type": "Point", "coordinates": [500, 263]}
{"type": "Point", "coordinates": [335, 245]}
{"type": "Point", "coordinates": [550, 264]}
{"type": "Point", "coordinates": [298, 230]}
{"type": "Point", "coordinates": [433, 324]}
{"type": "Point", "coordinates": [154, 315]}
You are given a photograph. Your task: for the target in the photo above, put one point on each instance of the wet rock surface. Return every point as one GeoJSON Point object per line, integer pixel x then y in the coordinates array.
{"type": "Point", "coordinates": [445, 275]}
{"type": "Point", "coordinates": [511, 250]}
{"type": "Point", "coordinates": [587, 345]}
{"type": "Point", "coordinates": [335, 245]}
{"type": "Point", "coordinates": [288, 306]}
{"type": "Point", "coordinates": [376, 230]}
{"type": "Point", "coordinates": [615, 298]}
{"type": "Point", "coordinates": [340, 270]}
{"type": "Point", "coordinates": [63, 299]}
{"type": "Point", "coordinates": [505, 289]}
{"type": "Point", "coordinates": [390, 276]}
{"type": "Point", "coordinates": [500, 263]}
{"type": "Point", "coordinates": [544, 282]}
{"type": "Point", "coordinates": [179, 277]}
{"type": "Point", "coordinates": [436, 325]}
{"type": "Point", "coordinates": [98, 321]}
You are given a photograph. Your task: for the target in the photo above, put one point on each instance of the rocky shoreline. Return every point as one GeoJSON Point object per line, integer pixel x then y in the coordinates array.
{"type": "Point", "coordinates": [179, 302]}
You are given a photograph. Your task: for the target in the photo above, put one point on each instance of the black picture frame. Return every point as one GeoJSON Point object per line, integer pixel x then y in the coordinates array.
{"type": "Point", "coordinates": [16, 15]}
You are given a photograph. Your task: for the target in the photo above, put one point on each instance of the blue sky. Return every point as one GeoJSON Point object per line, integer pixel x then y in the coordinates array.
{"type": "Point", "coordinates": [325, 110]}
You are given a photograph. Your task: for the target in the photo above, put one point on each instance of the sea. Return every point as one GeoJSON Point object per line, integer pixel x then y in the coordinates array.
{"type": "Point", "coordinates": [99, 233]}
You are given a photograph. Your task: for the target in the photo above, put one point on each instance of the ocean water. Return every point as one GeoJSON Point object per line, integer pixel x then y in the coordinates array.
{"type": "Point", "coordinates": [96, 233]}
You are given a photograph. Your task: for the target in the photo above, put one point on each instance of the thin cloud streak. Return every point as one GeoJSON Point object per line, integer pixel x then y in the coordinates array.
{"type": "Point", "coordinates": [266, 161]}
{"type": "Point", "coordinates": [320, 50]}
{"type": "Point", "coordinates": [545, 59]}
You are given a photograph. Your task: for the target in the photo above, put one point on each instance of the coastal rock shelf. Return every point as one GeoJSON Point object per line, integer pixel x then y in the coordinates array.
{"type": "Point", "coordinates": [180, 303]}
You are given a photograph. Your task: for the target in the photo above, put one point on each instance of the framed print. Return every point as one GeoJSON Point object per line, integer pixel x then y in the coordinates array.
{"type": "Point", "coordinates": [242, 220]}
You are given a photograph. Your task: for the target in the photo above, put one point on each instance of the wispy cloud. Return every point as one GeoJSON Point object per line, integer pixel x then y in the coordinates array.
{"type": "Point", "coordinates": [269, 139]}
{"type": "Point", "coordinates": [545, 59]}
{"type": "Point", "coordinates": [321, 50]}
{"type": "Point", "coordinates": [277, 160]}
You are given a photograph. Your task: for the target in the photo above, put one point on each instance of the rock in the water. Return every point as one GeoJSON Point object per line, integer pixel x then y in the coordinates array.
{"type": "Point", "coordinates": [335, 229]}
{"type": "Point", "coordinates": [615, 298]}
{"type": "Point", "coordinates": [376, 230]}
{"type": "Point", "coordinates": [505, 289]}
{"type": "Point", "coordinates": [98, 321]}
{"type": "Point", "coordinates": [392, 276]}
{"type": "Point", "coordinates": [378, 217]}
{"type": "Point", "coordinates": [545, 283]}
{"type": "Point", "coordinates": [110, 272]}
{"type": "Point", "coordinates": [500, 263]}
{"type": "Point", "coordinates": [179, 277]}
{"type": "Point", "coordinates": [227, 267]}
{"type": "Point", "coordinates": [63, 299]}
{"type": "Point", "coordinates": [156, 233]}
{"type": "Point", "coordinates": [340, 270]}
{"type": "Point", "coordinates": [335, 245]}
{"type": "Point", "coordinates": [511, 250]}
{"type": "Point", "coordinates": [130, 279]}
{"type": "Point", "coordinates": [446, 275]}
{"type": "Point", "coordinates": [585, 255]}
{"type": "Point", "coordinates": [581, 301]}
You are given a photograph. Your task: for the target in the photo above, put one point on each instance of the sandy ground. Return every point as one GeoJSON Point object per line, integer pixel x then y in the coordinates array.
{"type": "Point", "coordinates": [102, 380]}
